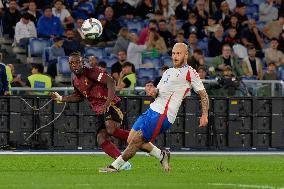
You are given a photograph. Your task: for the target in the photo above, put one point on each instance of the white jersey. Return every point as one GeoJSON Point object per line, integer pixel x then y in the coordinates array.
{"type": "Point", "coordinates": [174, 86]}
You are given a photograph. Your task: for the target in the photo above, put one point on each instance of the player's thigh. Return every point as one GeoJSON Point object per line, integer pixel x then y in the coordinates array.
{"type": "Point", "coordinates": [102, 136]}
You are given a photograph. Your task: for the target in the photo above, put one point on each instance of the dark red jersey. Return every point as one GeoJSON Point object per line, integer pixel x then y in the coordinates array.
{"type": "Point", "coordinates": [92, 84]}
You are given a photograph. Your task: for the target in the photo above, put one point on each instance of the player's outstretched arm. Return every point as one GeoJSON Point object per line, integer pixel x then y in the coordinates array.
{"type": "Point", "coordinates": [205, 107]}
{"type": "Point", "coordinates": [71, 98]}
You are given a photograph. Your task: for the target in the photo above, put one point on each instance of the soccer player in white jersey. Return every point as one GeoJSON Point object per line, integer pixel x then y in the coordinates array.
{"type": "Point", "coordinates": [175, 84]}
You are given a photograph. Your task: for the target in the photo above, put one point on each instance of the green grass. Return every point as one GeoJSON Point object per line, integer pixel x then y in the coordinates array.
{"type": "Point", "coordinates": [81, 172]}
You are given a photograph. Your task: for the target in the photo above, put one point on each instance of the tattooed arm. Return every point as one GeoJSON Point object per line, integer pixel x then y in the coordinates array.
{"type": "Point", "coordinates": [205, 107]}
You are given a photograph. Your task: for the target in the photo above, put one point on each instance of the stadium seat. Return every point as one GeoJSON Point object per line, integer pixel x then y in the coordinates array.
{"type": "Point", "coordinates": [45, 56]}
{"type": "Point", "coordinates": [252, 11]}
{"type": "Point", "coordinates": [109, 60]}
{"type": "Point", "coordinates": [108, 51]}
{"type": "Point", "coordinates": [135, 24]}
{"type": "Point", "coordinates": [94, 51]}
{"type": "Point", "coordinates": [167, 60]}
{"type": "Point", "coordinates": [282, 75]}
{"type": "Point", "coordinates": [142, 81]}
{"type": "Point", "coordinates": [146, 72]}
{"type": "Point", "coordinates": [63, 70]}
{"type": "Point", "coordinates": [36, 46]}
{"type": "Point", "coordinates": [179, 24]}
{"type": "Point", "coordinates": [154, 61]}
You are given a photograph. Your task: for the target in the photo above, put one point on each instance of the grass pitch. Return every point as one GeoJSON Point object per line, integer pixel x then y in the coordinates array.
{"type": "Point", "coordinates": [81, 172]}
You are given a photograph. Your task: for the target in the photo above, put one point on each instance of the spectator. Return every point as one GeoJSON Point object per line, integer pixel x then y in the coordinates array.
{"type": "Point", "coordinates": [165, 34]}
{"type": "Point", "coordinates": [49, 26]}
{"type": "Point", "coordinates": [180, 38]}
{"type": "Point", "coordinates": [122, 42]}
{"type": "Point", "coordinates": [101, 6]}
{"type": "Point", "coordinates": [172, 25]}
{"type": "Point", "coordinates": [133, 3]}
{"type": "Point", "coordinates": [63, 14]}
{"type": "Point", "coordinates": [145, 32]}
{"type": "Point", "coordinates": [219, 63]}
{"type": "Point", "coordinates": [10, 18]}
{"type": "Point", "coordinates": [79, 36]}
{"type": "Point", "coordinates": [223, 15]}
{"type": "Point", "coordinates": [191, 26]}
{"type": "Point", "coordinates": [117, 67]}
{"type": "Point", "coordinates": [134, 50]}
{"type": "Point", "coordinates": [155, 42]}
{"type": "Point", "coordinates": [252, 36]}
{"type": "Point", "coordinates": [4, 84]}
{"type": "Point", "coordinates": [210, 7]}
{"type": "Point", "coordinates": [33, 12]}
{"type": "Point", "coordinates": [25, 29]}
{"type": "Point", "coordinates": [56, 51]}
{"type": "Point", "coordinates": [111, 23]}
{"type": "Point", "coordinates": [23, 5]}
{"type": "Point", "coordinates": [158, 79]}
{"type": "Point", "coordinates": [281, 42]}
{"type": "Point", "coordinates": [127, 79]}
{"type": "Point", "coordinates": [70, 44]}
{"type": "Point", "coordinates": [211, 27]}
{"type": "Point", "coordinates": [102, 66]}
{"type": "Point", "coordinates": [145, 9]}
{"type": "Point", "coordinates": [39, 80]}
{"type": "Point", "coordinates": [93, 61]}
{"type": "Point", "coordinates": [267, 11]}
{"type": "Point", "coordinates": [241, 14]}
{"type": "Point", "coordinates": [149, 84]}
{"type": "Point", "coordinates": [271, 74]}
{"type": "Point", "coordinates": [85, 9]}
{"type": "Point", "coordinates": [272, 54]}
{"type": "Point", "coordinates": [216, 42]}
{"type": "Point", "coordinates": [197, 59]}
{"type": "Point", "coordinates": [108, 36]}
{"type": "Point", "coordinates": [122, 9]}
{"type": "Point", "coordinates": [273, 28]}
{"type": "Point", "coordinates": [16, 80]}
{"type": "Point", "coordinates": [201, 14]}
{"type": "Point", "coordinates": [232, 38]}
{"type": "Point", "coordinates": [166, 9]}
{"type": "Point", "coordinates": [201, 70]}
{"type": "Point", "coordinates": [234, 23]}
{"type": "Point", "coordinates": [192, 42]}
{"type": "Point", "coordinates": [252, 65]}
{"type": "Point", "coordinates": [182, 10]}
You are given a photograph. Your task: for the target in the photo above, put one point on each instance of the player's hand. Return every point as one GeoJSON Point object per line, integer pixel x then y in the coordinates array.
{"type": "Point", "coordinates": [55, 96]}
{"type": "Point", "coordinates": [203, 120]}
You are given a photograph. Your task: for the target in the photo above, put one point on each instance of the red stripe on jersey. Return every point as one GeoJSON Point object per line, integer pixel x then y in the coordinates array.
{"type": "Point", "coordinates": [185, 92]}
{"type": "Point", "coordinates": [161, 119]}
{"type": "Point", "coordinates": [188, 77]}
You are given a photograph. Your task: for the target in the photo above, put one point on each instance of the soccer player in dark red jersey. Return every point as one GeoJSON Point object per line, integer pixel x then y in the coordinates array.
{"type": "Point", "coordinates": [99, 89]}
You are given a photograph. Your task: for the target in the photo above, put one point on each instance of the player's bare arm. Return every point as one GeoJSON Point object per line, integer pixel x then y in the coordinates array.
{"type": "Point", "coordinates": [75, 97]}
{"type": "Point", "coordinates": [205, 107]}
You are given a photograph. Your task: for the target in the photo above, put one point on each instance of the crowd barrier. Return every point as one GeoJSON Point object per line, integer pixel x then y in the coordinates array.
{"type": "Point", "coordinates": [234, 123]}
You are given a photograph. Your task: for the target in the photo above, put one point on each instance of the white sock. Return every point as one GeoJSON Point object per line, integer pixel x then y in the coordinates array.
{"type": "Point", "coordinates": [118, 163]}
{"type": "Point", "coordinates": [157, 153]}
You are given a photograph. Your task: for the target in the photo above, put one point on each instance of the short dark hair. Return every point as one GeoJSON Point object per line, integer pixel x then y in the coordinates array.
{"type": "Point", "coordinates": [56, 39]}
{"type": "Point", "coordinates": [163, 20]}
{"type": "Point", "coordinates": [153, 21]}
{"type": "Point", "coordinates": [150, 81]}
{"type": "Point", "coordinates": [250, 47]}
{"type": "Point", "coordinates": [198, 51]}
{"type": "Point", "coordinates": [127, 64]}
{"type": "Point", "coordinates": [274, 39]}
{"type": "Point", "coordinates": [47, 7]}
{"type": "Point", "coordinates": [201, 68]}
{"type": "Point", "coordinates": [102, 64]}
{"type": "Point", "coordinates": [26, 16]}
{"type": "Point", "coordinates": [39, 67]}
{"type": "Point", "coordinates": [164, 67]}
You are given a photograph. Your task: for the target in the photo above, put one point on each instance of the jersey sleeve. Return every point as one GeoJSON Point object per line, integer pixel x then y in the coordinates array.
{"type": "Point", "coordinates": [193, 78]}
{"type": "Point", "coordinates": [96, 74]}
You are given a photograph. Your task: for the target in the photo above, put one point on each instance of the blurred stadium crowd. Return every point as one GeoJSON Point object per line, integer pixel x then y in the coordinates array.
{"type": "Point", "coordinates": [231, 38]}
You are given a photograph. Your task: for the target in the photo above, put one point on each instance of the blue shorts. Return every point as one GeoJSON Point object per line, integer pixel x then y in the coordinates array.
{"type": "Point", "coordinates": [151, 124]}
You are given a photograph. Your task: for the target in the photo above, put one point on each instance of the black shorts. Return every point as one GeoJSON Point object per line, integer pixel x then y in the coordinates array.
{"type": "Point", "coordinates": [114, 113]}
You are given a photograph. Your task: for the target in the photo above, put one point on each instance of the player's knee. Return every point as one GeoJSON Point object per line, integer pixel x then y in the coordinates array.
{"type": "Point", "coordinates": [101, 137]}
{"type": "Point", "coordinates": [110, 127]}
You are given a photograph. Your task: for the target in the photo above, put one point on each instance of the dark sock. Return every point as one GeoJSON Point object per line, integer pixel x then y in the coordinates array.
{"type": "Point", "coordinates": [110, 149]}
{"type": "Point", "coordinates": [121, 134]}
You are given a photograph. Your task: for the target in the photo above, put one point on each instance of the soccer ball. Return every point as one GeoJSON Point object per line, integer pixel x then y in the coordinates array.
{"type": "Point", "coordinates": [92, 28]}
